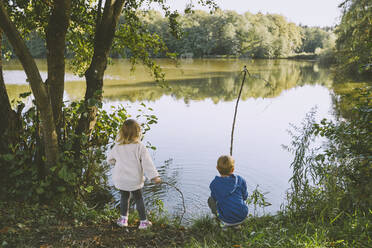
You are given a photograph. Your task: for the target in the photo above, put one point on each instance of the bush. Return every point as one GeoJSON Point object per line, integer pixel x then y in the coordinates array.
{"type": "Point", "coordinates": [327, 57]}
{"type": "Point", "coordinates": [331, 184]}
{"type": "Point", "coordinates": [28, 179]}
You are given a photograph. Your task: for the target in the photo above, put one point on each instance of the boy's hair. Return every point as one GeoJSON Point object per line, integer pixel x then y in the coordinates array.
{"type": "Point", "coordinates": [225, 165]}
{"type": "Point", "coordinates": [130, 132]}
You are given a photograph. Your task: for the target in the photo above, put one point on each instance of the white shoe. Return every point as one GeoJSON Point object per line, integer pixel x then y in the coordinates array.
{"type": "Point", "coordinates": [145, 224]}
{"type": "Point", "coordinates": [122, 222]}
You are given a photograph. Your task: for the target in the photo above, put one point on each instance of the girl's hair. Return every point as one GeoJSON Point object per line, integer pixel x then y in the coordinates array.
{"type": "Point", "coordinates": [130, 132]}
{"type": "Point", "coordinates": [225, 165]}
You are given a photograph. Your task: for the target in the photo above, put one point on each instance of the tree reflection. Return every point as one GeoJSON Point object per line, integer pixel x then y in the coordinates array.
{"type": "Point", "coordinates": [224, 85]}
{"type": "Point", "coordinates": [198, 79]}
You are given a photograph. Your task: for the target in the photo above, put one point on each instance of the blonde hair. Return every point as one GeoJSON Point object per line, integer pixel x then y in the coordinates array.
{"type": "Point", "coordinates": [130, 132]}
{"type": "Point", "coordinates": [225, 165]}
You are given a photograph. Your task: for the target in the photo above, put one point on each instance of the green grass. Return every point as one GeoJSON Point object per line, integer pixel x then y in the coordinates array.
{"type": "Point", "coordinates": [26, 225]}
{"type": "Point", "coordinates": [276, 231]}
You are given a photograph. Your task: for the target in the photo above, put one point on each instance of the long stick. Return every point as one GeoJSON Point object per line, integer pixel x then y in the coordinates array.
{"type": "Point", "coordinates": [183, 199]}
{"type": "Point", "coordinates": [236, 109]}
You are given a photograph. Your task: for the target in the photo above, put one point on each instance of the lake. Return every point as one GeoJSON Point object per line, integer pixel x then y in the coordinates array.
{"type": "Point", "coordinates": [195, 119]}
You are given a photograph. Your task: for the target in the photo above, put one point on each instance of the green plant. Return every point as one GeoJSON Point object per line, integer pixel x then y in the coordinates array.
{"type": "Point", "coordinates": [331, 183]}
{"type": "Point", "coordinates": [84, 178]}
{"type": "Point", "coordinates": [258, 199]}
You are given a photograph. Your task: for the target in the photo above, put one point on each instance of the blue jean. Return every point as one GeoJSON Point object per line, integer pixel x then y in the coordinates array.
{"type": "Point", "coordinates": [212, 204]}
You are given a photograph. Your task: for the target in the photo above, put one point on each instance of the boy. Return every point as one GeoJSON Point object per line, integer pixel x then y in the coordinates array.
{"type": "Point", "coordinates": [228, 194]}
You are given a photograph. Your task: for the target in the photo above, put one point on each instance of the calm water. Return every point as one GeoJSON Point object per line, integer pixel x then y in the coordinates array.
{"type": "Point", "coordinates": [195, 119]}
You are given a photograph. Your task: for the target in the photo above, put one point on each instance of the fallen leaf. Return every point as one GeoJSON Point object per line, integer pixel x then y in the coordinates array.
{"type": "Point", "coordinates": [21, 226]}
{"type": "Point", "coordinates": [4, 230]}
{"type": "Point", "coordinates": [12, 230]}
{"type": "Point", "coordinates": [237, 246]}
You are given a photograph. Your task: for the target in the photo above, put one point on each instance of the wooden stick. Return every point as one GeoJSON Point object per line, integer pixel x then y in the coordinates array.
{"type": "Point", "coordinates": [245, 71]}
{"type": "Point", "coordinates": [182, 197]}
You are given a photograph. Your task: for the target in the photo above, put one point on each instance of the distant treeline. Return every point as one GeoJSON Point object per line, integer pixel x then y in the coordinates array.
{"type": "Point", "coordinates": [223, 33]}
{"type": "Point", "coordinates": [246, 35]}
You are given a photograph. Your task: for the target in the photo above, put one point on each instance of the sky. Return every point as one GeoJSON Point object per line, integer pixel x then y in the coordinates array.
{"type": "Point", "coordinates": [305, 12]}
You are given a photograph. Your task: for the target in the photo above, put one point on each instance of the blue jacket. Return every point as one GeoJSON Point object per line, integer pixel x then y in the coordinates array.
{"type": "Point", "coordinates": [230, 194]}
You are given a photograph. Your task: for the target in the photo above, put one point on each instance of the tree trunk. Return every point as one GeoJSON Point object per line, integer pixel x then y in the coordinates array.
{"type": "Point", "coordinates": [105, 31]}
{"type": "Point", "coordinates": [38, 88]}
{"type": "Point", "coordinates": [56, 44]}
{"type": "Point", "coordinates": [10, 124]}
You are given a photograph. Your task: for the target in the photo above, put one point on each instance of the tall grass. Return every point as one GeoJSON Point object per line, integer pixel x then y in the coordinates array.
{"type": "Point", "coordinates": [329, 202]}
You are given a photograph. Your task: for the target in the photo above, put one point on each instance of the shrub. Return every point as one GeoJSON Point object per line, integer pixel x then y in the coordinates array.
{"type": "Point", "coordinates": [331, 183]}
{"type": "Point", "coordinates": [27, 177]}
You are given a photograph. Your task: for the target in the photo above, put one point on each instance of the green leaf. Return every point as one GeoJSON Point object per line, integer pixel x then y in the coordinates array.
{"type": "Point", "coordinates": [24, 95]}
{"type": "Point", "coordinates": [8, 157]}
{"type": "Point", "coordinates": [89, 189]}
{"type": "Point", "coordinates": [63, 173]}
{"type": "Point", "coordinates": [39, 190]}
{"type": "Point", "coordinates": [61, 188]}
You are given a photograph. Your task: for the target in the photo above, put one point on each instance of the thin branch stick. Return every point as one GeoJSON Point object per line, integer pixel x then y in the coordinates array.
{"type": "Point", "coordinates": [183, 199]}
{"type": "Point", "coordinates": [236, 109]}
{"type": "Point", "coordinates": [245, 71]}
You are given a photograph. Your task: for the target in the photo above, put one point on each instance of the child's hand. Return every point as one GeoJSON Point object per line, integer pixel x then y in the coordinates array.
{"type": "Point", "coordinates": [156, 180]}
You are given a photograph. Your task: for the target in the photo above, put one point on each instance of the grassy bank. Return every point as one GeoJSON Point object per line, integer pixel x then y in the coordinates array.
{"type": "Point", "coordinates": [25, 225]}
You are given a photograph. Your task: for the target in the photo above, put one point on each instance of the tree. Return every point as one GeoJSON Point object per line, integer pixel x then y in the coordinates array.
{"type": "Point", "coordinates": [92, 30]}
{"type": "Point", "coordinates": [107, 18]}
{"type": "Point", "coordinates": [354, 35]}
{"type": "Point", "coordinates": [55, 40]}
{"type": "Point", "coordinates": [10, 124]}
{"type": "Point", "coordinates": [38, 87]}
{"type": "Point", "coordinates": [313, 38]}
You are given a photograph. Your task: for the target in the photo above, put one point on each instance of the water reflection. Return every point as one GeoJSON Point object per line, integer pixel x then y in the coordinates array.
{"type": "Point", "coordinates": [218, 80]}
{"type": "Point", "coordinates": [222, 85]}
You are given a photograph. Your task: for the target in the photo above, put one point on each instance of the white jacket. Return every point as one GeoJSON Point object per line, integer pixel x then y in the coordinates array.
{"type": "Point", "coordinates": [132, 162]}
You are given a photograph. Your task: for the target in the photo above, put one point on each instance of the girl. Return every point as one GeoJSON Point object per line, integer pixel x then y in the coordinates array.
{"type": "Point", "coordinates": [132, 161]}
